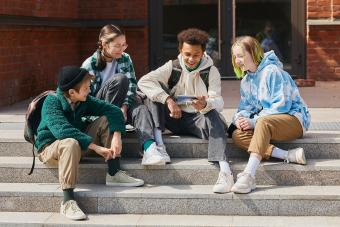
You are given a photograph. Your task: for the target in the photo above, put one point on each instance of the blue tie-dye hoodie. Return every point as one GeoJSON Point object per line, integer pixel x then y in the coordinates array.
{"type": "Point", "coordinates": [271, 90]}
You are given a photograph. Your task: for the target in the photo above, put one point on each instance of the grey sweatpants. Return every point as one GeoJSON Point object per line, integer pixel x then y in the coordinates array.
{"type": "Point", "coordinates": [207, 126]}
{"type": "Point", "coordinates": [114, 91]}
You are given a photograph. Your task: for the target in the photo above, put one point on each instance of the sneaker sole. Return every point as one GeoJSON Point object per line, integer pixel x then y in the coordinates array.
{"type": "Point", "coordinates": [158, 163]}
{"type": "Point", "coordinates": [243, 191]}
{"type": "Point", "coordinates": [137, 184]}
{"type": "Point", "coordinates": [74, 218]}
{"type": "Point", "coordinates": [220, 192]}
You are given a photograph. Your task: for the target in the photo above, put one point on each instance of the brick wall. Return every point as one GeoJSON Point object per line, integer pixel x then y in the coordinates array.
{"type": "Point", "coordinates": [30, 58]}
{"type": "Point", "coordinates": [323, 41]}
{"type": "Point", "coordinates": [113, 9]}
{"type": "Point", "coordinates": [323, 53]}
{"type": "Point", "coordinates": [40, 8]}
{"type": "Point", "coordinates": [319, 8]}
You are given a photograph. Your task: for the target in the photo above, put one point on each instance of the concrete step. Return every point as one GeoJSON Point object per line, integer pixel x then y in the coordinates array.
{"type": "Point", "coordinates": [317, 144]}
{"type": "Point", "coordinates": [180, 171]}
{"type": "Point", "coordinates": [175, 199]}
{"type": "Point", "coordinates": [39, 219]}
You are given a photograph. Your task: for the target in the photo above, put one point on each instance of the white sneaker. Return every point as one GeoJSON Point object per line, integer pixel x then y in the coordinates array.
{"type": "Point", "coordinates": [122, 179]}
{"type": "Point", "coordinates": [164, 154]}
{"type": "Point", "coordinates": [71, 210]}
{"type": "Point", "coordinates": [224, 183]}
{"type": "Point", "coordinates": [245, 183]}
{"type": "Point", "coordinates": [152, 156]}
{"type": "Point", "coordinates": [296, 155]}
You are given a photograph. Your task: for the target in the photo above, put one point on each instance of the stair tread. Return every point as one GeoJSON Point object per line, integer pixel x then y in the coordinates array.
{"type": "Point", "coordinates": [179, 163]}
{"type": "Point", "coordinates": [309, 137]}
{"type": "Point", "coordinates": [172, 191]}
{"type": "Point", "coordinates": [45, 219]}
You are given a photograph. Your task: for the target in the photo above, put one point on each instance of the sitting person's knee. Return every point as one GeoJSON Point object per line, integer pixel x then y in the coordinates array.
{"type": "Point", "coordinates": [121, 79]}
{"type": "Point", "coordinates": [72, 146]}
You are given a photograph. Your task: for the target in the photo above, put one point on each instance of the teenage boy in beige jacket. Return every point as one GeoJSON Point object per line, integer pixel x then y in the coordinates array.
{"type": "Point", "coordinates": [184, 96]}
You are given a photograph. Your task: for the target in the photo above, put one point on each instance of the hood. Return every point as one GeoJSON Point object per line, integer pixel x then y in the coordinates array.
{"type": "Point", "coordinates": [205, 63]}
{"type": "Point", "coordinates": [269, 58]}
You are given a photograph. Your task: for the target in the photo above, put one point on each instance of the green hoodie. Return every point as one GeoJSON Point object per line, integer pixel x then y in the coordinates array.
{"type": "Point", "coordinates": [59, 121]}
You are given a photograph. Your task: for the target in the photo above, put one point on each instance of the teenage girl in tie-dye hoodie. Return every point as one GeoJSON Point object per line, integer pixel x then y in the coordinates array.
{"type": "Point", "coordinates": [270, 108]}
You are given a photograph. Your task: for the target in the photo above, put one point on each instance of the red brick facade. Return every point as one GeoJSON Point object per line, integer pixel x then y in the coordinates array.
{"type": "Point", "coordinates": [323, 39]}
{"type": "Point", "coordinates": [30, 56]}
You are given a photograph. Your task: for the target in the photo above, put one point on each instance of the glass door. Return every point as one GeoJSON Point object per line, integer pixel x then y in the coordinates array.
{"type": "Point", "coordinates": [182, 14]}
{"type": "Point", "coordinates": [276, 24]}
{"type": "Point", "coordinates": [174, 16]}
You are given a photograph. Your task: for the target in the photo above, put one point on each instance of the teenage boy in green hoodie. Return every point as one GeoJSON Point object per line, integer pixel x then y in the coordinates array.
{"type": "Point", "coordinates": [63, 137]}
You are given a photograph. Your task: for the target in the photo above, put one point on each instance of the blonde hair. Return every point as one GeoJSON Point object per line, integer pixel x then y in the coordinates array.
{"type": "Point", "coordinates": [250, 45]}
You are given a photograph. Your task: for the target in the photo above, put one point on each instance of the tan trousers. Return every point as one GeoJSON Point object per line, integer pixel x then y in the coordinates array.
{"type": "Point", "coordinates": [66, 153]}
{"type": "Point", "coordinates": [279, 127]}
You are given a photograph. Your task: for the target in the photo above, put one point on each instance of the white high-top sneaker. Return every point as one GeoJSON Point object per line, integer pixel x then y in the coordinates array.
{"type": "Point", "coordinates": [224, 183]}
{"type": "Point", "coordinates": [152, 156]}
{"type": "Point", "coordinates": [164, 154]}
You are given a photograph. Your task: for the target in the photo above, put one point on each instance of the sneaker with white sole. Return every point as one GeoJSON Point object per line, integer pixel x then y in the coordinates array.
{"type": "Point", "coordinates": [296, 155]}
{"type": "Point", "coordinates": [245, 183]}
{"type": "Point", "coordinates": [152, 156]}
{"type": "Point", "coordinates": [164, 154]}
{"type": "Point", "coordinates": [123, 180]}
{"type": "Point", "coordinates": [71, 210]}
{"type": "Point", "coordinates": [224, 183]}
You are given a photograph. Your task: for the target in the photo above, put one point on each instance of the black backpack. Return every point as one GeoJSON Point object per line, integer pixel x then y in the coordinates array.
{"type": "Point", "coordinates": [177, 71]}
{"type": "Point", "coordinates": [32, 120]}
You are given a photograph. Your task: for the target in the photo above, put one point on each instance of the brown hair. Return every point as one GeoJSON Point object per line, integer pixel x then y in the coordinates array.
{"type": "Point", "coordinates": [193, 36]}
{"type": "Point", "coordinates": [107, 34]}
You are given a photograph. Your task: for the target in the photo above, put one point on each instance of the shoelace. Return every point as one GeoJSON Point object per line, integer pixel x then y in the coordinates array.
{"type": "Point", "coordinates": [242, 174]}
{"type": "Point", "coordinates": [125, 173]}
{"type": "Point", "coordinates": [74, 207]}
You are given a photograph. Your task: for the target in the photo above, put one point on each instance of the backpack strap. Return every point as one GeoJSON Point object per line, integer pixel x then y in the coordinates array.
{"type": "Point", "coordinates": [177, 72]}
{"type": "Point", "coordinates": [204, 74]}
{"type": "Point", "coordinates": [33, 163]}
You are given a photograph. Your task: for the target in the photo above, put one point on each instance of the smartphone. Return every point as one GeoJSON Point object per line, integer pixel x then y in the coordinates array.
{"type": "Point", "coordinates": [185, 99]}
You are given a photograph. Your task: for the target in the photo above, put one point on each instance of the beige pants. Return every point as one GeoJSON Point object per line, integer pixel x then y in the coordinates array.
{"type": "Point", "coordinates": [66, 153]}
{"type": "Point", "coordinates": [279, 127]}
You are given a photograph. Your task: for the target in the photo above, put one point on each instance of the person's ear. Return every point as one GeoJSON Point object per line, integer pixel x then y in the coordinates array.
{"type": "Point", "coordinates": [71, 92]}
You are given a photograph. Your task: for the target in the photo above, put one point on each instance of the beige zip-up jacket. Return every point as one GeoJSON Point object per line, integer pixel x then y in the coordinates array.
{"type": "Point", "coordinates": [190, 83]}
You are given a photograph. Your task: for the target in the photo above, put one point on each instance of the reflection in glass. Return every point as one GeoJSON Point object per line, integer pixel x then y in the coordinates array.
{"type": "Point", "coordinates": [183, 14]}
{"type": "Point", "coordinates": [270, 22]}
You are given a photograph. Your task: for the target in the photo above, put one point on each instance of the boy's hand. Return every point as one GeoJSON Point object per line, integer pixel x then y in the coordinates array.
{"type": "Point", "coordinates": [175, 111]}
{"type": "Point", "coordinates": [116, 144]}
{"type": "Point", "coordinates": [124, 111]}
{"type": "Point", "coordinates": [106, 153]}
{"type": "Point", "coordinates": [243, 124]}
{"type": "Point", "coordinates": [199, 103]}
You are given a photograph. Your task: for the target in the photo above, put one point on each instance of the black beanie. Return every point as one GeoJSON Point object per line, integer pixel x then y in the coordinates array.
{"type": "Point", "coordinates": [69, 76]}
